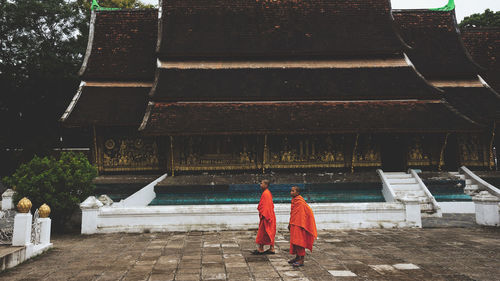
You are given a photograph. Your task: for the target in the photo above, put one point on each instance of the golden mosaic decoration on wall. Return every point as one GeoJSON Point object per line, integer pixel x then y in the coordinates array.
{"type": "Point", "coordinates": [205, 153]}
{"type": "Point", "coordinates": [421, 151]}
{"type": "Point", "coordinates": [367, 153]}
{"type": "Point", "coordinates": [473, 150]}
{"type": "Point", "coordinates": [128, 154]}
{"type": "Point", "coordinates": [321, 151]}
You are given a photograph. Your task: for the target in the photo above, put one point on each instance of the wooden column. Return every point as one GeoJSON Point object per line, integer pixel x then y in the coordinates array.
{"type": "Point", "coordinates": [441, 155]}
{"type": "Point", "coordinates": [354, 153]}
{"type": "Point", "coordinates": [172, 155]}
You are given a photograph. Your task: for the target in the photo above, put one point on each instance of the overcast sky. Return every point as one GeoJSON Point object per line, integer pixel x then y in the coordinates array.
{"type": "Point", "coordinates": [463, 7]}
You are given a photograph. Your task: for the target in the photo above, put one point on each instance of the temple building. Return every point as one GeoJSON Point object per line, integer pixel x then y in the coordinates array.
{"type": "Point", "coordinates": [438, 53]}
{"type": "Point", "coordinates": [257, 86]}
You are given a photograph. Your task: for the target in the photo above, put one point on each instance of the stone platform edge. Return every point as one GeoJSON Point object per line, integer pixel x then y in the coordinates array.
{"type": "Point", "coordinates": [109, 219]}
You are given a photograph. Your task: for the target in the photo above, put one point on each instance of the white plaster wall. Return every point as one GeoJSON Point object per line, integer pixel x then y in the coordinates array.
{"type": "Point", "coordinates": [457, 207]}
{"type": "Point", "coordinates": [245, 216]}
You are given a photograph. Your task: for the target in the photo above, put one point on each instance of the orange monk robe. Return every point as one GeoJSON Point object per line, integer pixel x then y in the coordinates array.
{"type": "Point", "coordinates": [267, 224]}
{"type": "Point", "coordinates": [302, 224]}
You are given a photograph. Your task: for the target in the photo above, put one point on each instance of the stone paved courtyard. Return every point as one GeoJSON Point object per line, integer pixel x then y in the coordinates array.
{"type": "Point", "coordinates": [452, 253]}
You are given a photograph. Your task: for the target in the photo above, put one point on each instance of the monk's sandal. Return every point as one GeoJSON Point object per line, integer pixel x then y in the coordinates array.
{"type": "Point", "coordinates": [256, 252]}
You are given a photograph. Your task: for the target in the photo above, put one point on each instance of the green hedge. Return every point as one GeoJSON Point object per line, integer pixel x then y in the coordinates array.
{"type": "Point", "coordinates": [62, 183]}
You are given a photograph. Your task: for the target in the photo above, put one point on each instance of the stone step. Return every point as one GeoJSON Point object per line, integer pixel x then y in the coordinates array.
{"type": "Point", "coordinates": [471, 189]}
{"type": "Point", "coordinates": [468, 181]}
{"type": "Point", "coordinates": [472, 186]}
{"type": "Point", "coordinates": [409, 186]}
{"type": "Point", "coordinates": [393, 181]}
{"type": "Point", "coordinates": [397, 175]}
{"type": "Point", "coordinates": [11, 256]}
{"type": "Point", "coordinates": [458, 175]}
{"type": "Point", "coordinates": [413, 193]}
{"type": "Point", "coordinates": [424, 200]}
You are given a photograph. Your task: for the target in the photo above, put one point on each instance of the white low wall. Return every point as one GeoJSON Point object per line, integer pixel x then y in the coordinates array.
{"type": "Point", "coordinates": [457, 207]}
{"type": "Point", "coordinates": [245, 216]}
{"type": "Point", "coordinates": [22, 237]}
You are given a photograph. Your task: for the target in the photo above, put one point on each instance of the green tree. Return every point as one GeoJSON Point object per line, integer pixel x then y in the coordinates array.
{"type": "Point", "coordinates": [39, 60]}
{"type": "Point", "coordinates": [42, 44]}
{"type": "Point", "coordinates": [486, 19]}
{"type": "Point", "coordinates": [62, 183]}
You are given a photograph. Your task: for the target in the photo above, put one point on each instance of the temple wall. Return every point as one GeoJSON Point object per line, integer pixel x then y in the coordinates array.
{"type": "Point", "coordinates": [244, 216]}
{"type": "Point", "coordinates": [119, 150]}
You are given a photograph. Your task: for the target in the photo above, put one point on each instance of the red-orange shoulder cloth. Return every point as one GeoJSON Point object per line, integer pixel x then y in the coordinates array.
{"type": "Point", "coordinates": [302, 224]}
{"type": "Point", "coordinates": [267, 225]}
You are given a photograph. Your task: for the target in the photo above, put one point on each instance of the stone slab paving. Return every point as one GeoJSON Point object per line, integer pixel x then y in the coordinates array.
{"type": "Point", "coordinates": [379, 254]}
{"type": "Point", "coordinates": [450, 220]}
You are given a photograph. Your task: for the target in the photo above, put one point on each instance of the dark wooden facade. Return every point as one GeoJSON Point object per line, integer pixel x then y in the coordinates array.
{"type": "Point", "coordinates": [209, 86]}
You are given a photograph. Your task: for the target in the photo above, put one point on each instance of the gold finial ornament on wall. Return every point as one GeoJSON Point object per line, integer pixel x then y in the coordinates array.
{"type": "Point", "coordinates": [24, 205]}
{"type": "Point", "coordinates": [44, 211]}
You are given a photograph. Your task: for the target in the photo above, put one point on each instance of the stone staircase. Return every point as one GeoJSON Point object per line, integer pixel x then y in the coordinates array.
{"type": "Point", "coordinates": [470, 187]}
{"type": "Point", "coordinates": [410, 185]}
{"type": "Point", "coordinates": [474, 184]}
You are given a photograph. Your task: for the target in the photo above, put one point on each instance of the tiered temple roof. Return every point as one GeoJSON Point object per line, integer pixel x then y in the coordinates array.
{"type": "Point", "coordinates": [264, 67]}
{"type": "Point", "coordinates": [372, 79]}
{"type": "Point", "coordinates": [108, 103]}
{"type": "Point", "coordinates": [484, 46]}
{"type": "Point", "coordinates": [118, 69]}
{"type": "Point", "coordinates": [436, 49]}
{"type": "Point", "coordinates": [275, 29]}
{"type": "Point", "coordinates": [438, 53]}
{"type": "Point", "coordinates": [306, 117]}
{"type": "Point", "coordinates": [323, 60]}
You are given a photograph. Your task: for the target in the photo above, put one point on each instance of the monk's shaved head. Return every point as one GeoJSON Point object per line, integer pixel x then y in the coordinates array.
{"type": "Point", "coordinates": [264, 184]}
{"type": "Point", "coordinates": [296, 188]}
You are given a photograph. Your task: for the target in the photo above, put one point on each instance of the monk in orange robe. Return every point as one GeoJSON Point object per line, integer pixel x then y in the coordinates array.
{"type": "Point", "coordinates": [267, 224]}
{"type": "Point", "coordinates": [302, 228]}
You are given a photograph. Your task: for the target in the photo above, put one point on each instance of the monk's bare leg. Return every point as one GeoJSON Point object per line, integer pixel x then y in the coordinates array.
{"type": "Point", "coordinates": [261, 248]}
{"type": "Point", "coordinates": [271, 248]}
{"type": "Point", "coordinates": [293, 250]}
{"type": "Point", "coordinates": [300, 260]}
{"type": "Point", "coordinates": [301, 252]}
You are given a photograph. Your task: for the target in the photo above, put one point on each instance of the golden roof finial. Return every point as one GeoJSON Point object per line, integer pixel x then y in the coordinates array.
{"type": "Point", "coordinates": [44, 211]}
{"type": "Point", "coordinates": [24, 205]}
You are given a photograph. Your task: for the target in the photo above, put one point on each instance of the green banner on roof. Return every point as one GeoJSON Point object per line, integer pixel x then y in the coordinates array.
{"type": "Point", "coordinates": [95, 6]}
{"type": "Point", "coordinates": [449, 7]}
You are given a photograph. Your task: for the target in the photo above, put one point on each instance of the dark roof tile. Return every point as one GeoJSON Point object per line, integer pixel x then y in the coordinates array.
{"type": "Point", "coordinates": [478, 103]}
{"type": "Point", "coordinates": [291, 84]}
{"type": "Point", "coordinates": [121, 45]}
{"type": "Point", "coordinates": [484, 46]}
{"type": "Point", "coordinates": [284, 28]}
{"type": "Point", "coordinates": [436, 50]}
{"type": "Point", "coordinates": [302, 117]}
{"type": "Point", "coordinates": [107, 105]}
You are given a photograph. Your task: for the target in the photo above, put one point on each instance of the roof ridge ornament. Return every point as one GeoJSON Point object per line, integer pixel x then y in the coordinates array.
{"type": "Point", "coordinates": [97, 7]}
{"type": "Point", "coordinates": [449, 7]}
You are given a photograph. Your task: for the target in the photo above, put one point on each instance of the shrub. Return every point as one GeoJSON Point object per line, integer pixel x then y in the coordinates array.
{"type": "Point", "coordinates": [60, 183]}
